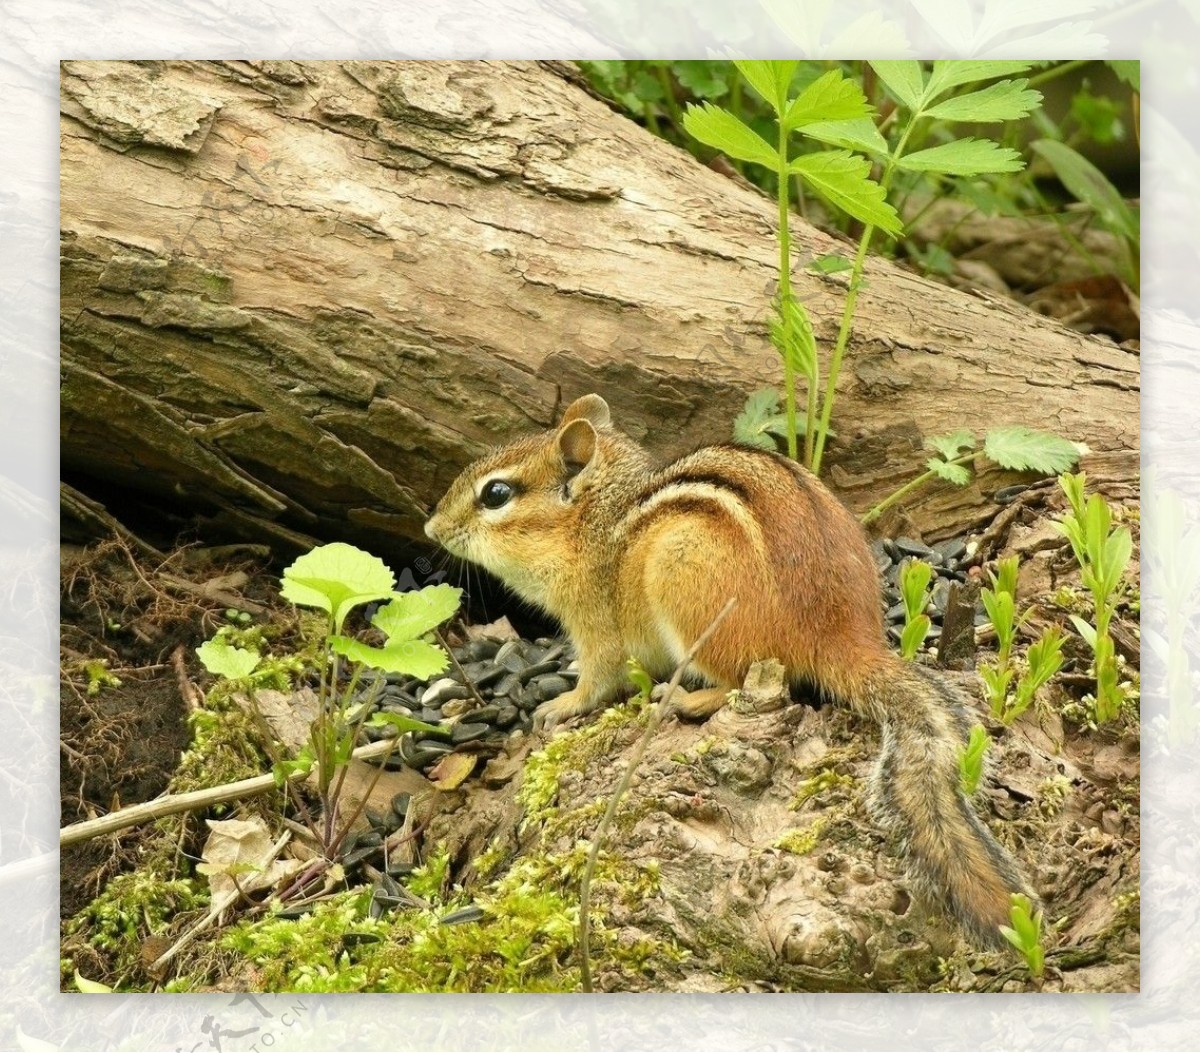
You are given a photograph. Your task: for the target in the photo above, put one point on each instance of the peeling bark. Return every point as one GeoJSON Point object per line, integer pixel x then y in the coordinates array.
{"type": "Point", "coordinates": [302, 295]}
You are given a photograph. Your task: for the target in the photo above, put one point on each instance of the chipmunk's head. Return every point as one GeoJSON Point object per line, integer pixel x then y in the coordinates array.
{"type": "Point", "coordinates": [517, 512]}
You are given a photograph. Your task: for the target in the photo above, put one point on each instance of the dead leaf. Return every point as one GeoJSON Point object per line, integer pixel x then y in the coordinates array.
{"type": "Point", "coordinates": [240, 856]}
{"type": "Point", "coordinates": [500, 629]}
{"type": "Point", "coordinates": [452, 769]}
{"type": "Point", "coordinates": [288, 714]}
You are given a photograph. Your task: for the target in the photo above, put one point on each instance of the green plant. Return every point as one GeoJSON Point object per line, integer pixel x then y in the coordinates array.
{"type": "Point", "coordinates": [914, 591]}
{"type": "Point", "coordinates": [1042, 660]}
{"type": "Point", "coordinates": [1102, 552]}
{"type": "Point", "coordinates": [336, 579]}
{"type": "Point", "coordinates": [1013, 447]}
{"type": "Point", "coordinates": [1000, 603]}
{"type": "Point", "coordinates": [970, 760]}
{"type": "Point", "coordinates": [1025, 933]}
{"type": "Point", "coordinates": [839, 176]}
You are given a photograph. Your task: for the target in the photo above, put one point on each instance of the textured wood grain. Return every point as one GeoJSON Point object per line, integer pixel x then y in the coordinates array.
{"type": "Point", "coordinates": [303, 295]}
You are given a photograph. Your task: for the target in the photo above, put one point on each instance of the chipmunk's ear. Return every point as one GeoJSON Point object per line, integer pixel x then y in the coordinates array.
{"type": "Point", "coordinates": [577, 446]}
{"type": "Point", "coordinates": [590, 408]}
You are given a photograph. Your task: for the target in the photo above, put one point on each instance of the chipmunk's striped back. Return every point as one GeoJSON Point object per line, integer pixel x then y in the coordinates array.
{"type": "Point", "coordinates": [635, 561]}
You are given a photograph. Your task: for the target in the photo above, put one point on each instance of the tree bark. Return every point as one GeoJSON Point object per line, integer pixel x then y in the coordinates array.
{"type": "Point", "coordinates": [301, 296]}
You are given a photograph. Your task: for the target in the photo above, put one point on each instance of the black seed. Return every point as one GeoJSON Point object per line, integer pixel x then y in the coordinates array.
{"type": "Point", "coordinates": [895, 614]}
{"type": "Point", "coordinates": [508, 686]}
{"type": "Point", "coordinates": [506, 716]}
{"type": "Point", "coordinates": [468, 732]}
{"type": "Point", "coordinates": [538, 669]}
{"type": "Point", "coordinates": [545, 688]}
{"type": "Point", "coordinates": [463, 916]}
{"type": "Point", "coordinates": [400, 804]}
{"type": "Point", "coordinates": [955, 548]}
{"type": "Point", "coordinates": [481, 650]}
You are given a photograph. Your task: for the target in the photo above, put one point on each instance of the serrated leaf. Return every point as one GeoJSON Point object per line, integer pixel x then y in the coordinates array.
{"type": "Point", "coordinates": [833, 263]}
{"type": "Point", "coordinates": [949, 445]}
{"type": "Point", "coordinates": [401, 723]}
{"type": "Point", "coordinates": [412, 614]}
{"type": "Point", "coordinates": [903, 78]}
{"type": "Point", "coordinates": [222, 659]}
{"type": "Point", "coordinates": [1129, 71]}
{"type": "Point", "coordinates": [952, 473]}
{"type": "Point", "coordinates": [1023, 449]}
{"type": "Point", "coordinates": [860, 135]}
{"type": "Point", "coordinates": [770, 79]}
{"type": "Point", "coordinates": [950, 73]}
{"type": "Point", "coordinates": [831, 97]}
{"type": "Point", "coordinates": [843, 179]}
{"type": "Point", "coordinates": [1089, 185]}
{"type": "Point", "coordinates": [1009, 100]}
{"type": "Point", "coordinates": [719, 128]}
{"type": "Point", "coordinates": [412, 657]}
{"type": "Point", "coordinates": [964, 157]}
{"type": "Point", "coordinates": [336, 578]}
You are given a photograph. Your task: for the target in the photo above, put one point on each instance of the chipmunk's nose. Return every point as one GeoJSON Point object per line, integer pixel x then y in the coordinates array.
{"type": "Point", "coordinates": [431, 527]}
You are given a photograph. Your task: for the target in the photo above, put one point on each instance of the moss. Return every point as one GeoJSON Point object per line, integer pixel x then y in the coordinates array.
{"type": "Point", "coordinates": [801, 841]}
{"type": "Point", "coordinates": [826, 780]}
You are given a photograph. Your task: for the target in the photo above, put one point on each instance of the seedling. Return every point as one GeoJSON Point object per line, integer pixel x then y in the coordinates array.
{"type": "Point", "coordinates": [1025, 933]}
{"type": "Point", "coordinates": [1042, 660]}
{"type": "Point", "coordinates": [914, 591]}
{"type": "Point", "coordinates": [337, 578]}
{"type": "Point", "coordinates": [1102, 552]}
{"type": "Point", "coordinates": [970, 760]}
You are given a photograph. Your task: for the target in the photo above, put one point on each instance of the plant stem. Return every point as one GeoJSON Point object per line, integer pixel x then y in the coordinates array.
{"type": "Point", "coordinates": [1055, 72]}
{"type": "Point", "coordinates": [785, 298]}
{"type": "Point", "coordinates": [664, 78]}
{"type": "Point", "coordinates": [874, 513]}
{"type": "Point", "coordinates": [843, 338]}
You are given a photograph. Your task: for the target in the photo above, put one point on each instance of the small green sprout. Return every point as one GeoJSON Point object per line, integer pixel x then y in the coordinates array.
{"type": "Point", "coordinates": [970, 760]}
{"type": "Point", "coordinates": [1103, 553]}
{"type": "Point", "coordinates": [1025, 934]}
{"type": "Point", "coordinates": [1043, 660]}
{"type": "Point", "coordinates": [914, 590]}
{"type": "Point", "coordinates": [99, 676]}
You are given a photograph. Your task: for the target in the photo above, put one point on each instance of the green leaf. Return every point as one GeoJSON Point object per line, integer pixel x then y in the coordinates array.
{"type": "Point", "coordinates": [860, 135]}
{"type": "Point", "coordinates": [950, 73]}
{"type": "Point", "coordinates": [831, 97]}
{"type": "Point", "coordinates": [1129, 71]}
{"type": "Point", "coordinates": [970, 760]}
{"type": "Point", "coordinates": [412, 614]}
{"type": "Point", "coordinates": [913, 635]}
{"type": "Point", "coordinates": [964, 157]}
{"type": "Point", "coordinates": [771, 79]}
{"type": "Point", "coordinates": [336, 578]}
{"type": "Point", "coordinates": [749, 427]}
{"type": "Point", "coordinates": [843, 179]}
{"type": "Point", "coordinates": [1085, 629]}
{"type": "Point", "coordinates": [833, 263]}
{"type": "Point", "coordinates": [1007, 101]}
{"type": "Point", "coordinates": [903, 78]}
{"type": "Point", "coordinates": [287, 769]}
{"type": "Point", "coordinates": [952, 473]}
{"type": "Point", "coordinates": [949, 445]}
{"type": "Point", "coordinates": [87, 986]}
{"type": "Point", "coordinates": [413, 657]}
{"type": "Point", "coordinates": [222, 659]}
{"type": "Point", "coordinates": [1089, 185]}
{"type": "Point", "coordinates": [1023, 449]}
{"type": "Point", "coordinates": [792, 335]}
{"type": "Point", "coordinates": [719, 128]}
{"type": "Point", "coordinates": [703, 78]}
{"type": "Point", "coordinates": [914, 580]}
{"type": "Point", "coordinates": [402, 724]}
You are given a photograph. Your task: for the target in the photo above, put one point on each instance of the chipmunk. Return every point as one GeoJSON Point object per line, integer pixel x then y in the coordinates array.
{"type": "Point", "coordinates": [637, 562]}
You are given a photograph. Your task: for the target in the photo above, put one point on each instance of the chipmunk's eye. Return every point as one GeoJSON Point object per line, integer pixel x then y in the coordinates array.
{"type": "Point", "coordinates": [496, 494]}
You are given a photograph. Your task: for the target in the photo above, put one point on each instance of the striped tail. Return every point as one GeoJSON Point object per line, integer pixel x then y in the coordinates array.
{"type": "Point", "coordinates": [916, 796]}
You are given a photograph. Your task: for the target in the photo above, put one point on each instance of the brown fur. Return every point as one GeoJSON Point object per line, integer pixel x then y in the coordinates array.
{"type": "Point", "coordinates": [637, 562]}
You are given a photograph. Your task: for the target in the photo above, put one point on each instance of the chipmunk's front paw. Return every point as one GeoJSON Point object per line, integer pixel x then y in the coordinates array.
{"type": "Point", "coordinates": [570, 704]}
{"type": "Point", "coordinates": [692, 705]}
